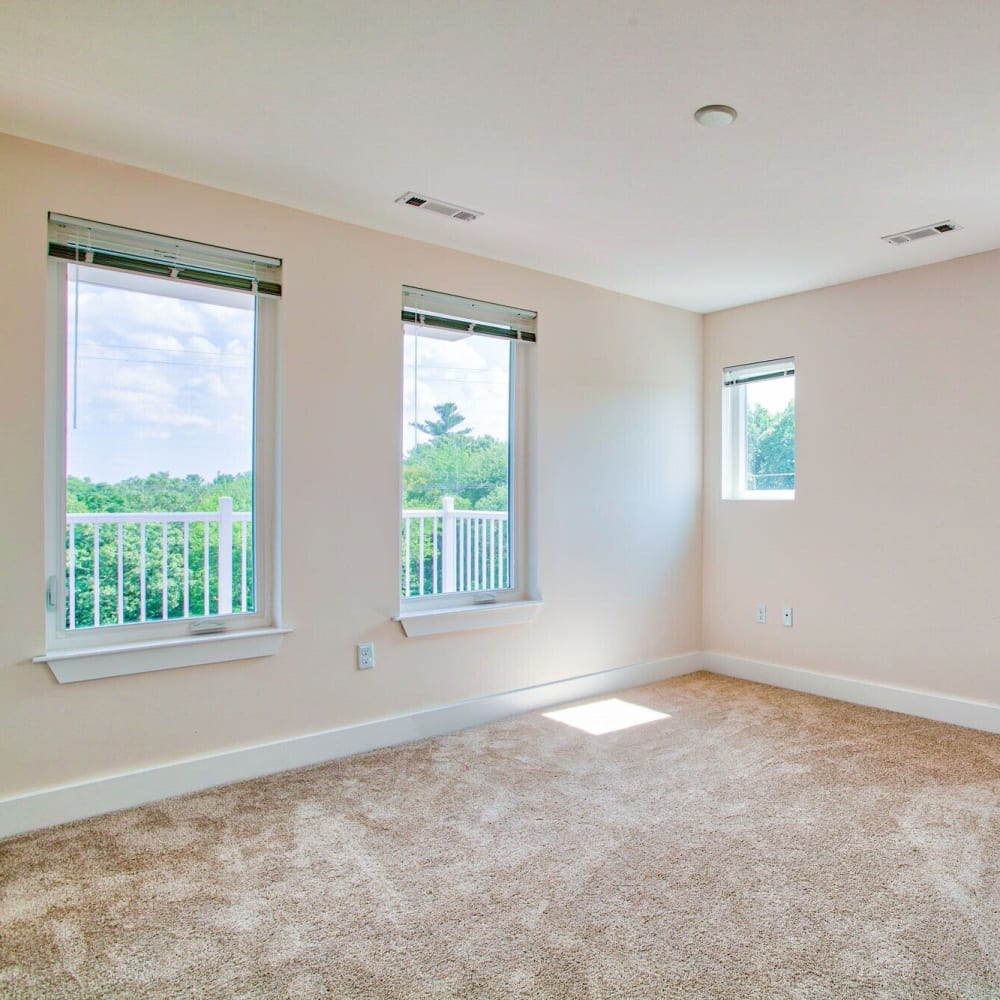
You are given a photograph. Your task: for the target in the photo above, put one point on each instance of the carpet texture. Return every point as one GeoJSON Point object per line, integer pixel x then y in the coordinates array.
{"type": "Point", "coordinates": [756, 843]}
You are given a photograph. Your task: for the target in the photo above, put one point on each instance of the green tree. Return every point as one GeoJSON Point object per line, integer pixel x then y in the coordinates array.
{"type": "Point", "coordinates": [449, 419]}
{"type": "Point", "coordinates": [470, 469]}
{"type": "Point", "coordinates": [771, 448]}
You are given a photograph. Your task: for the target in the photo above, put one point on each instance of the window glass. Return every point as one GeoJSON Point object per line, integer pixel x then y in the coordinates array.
{"type": "Point", "coordinates": [159, 449]}
{"type": "Point", "coordinates": [456, 463]}
{"type": "Point", "coordinates": [770, 434]}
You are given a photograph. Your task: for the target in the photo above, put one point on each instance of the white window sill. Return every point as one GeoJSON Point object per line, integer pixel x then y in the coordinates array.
{"type": "Point", "coordinates": [440, 620]}
{"type": "Point", "coordinates": [763, 495]}
{"type": "Point", "coordinates": [69, 665]}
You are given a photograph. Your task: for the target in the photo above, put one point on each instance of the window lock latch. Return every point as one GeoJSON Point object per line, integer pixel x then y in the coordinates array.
{"type": "Point", "coordinates": [50, 594]}
{"type": "Point", "coordinates": [207, 627]}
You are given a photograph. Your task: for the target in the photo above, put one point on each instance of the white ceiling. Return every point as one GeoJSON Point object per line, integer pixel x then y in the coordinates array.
{"type": "Point", "coordinates": [568, 123]}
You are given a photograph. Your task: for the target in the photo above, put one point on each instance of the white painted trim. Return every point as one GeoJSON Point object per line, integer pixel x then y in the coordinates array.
{"type": "Point", "coordinates": [50, 806]}
{"type": "Point", "coordinates": [468, 616]}
{"type": "Point", "coordinates": [70, 665]}
{"type": "Point", "coordinates": [909, 701]}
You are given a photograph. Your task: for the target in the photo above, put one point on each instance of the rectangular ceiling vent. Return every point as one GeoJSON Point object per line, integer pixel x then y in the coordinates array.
{"type": "Point", "coordinates": [898, 239]}
{"type": "Point", "coordinates": [438, 207]}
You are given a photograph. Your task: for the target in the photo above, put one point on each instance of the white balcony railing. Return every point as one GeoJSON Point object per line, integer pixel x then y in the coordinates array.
{"type": "Point", "coordinates": [155, 566]}
{"type": "Point", "coordinates": [125, 568]}
{"type": "Point", "coordinates": [453, 551]}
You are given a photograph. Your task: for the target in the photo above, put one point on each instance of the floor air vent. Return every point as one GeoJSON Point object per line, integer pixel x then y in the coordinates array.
{"type": "Point", "coordinates": [438, 207]}
{"type": "Point", "coordinates": [910, 235]}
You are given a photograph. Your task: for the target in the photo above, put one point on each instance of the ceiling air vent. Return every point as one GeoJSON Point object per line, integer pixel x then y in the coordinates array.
{"type": "Point", "coordinates": [897, 239]}
{"type": "Point", "coordinates": [438, 207]}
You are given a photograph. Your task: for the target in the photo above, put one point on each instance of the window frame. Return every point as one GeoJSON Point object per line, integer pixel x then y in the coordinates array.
{"type": "Point", "coordinates": [432, 613]}
{"type": "Point", "coordinates": [735, 379]}
{"type": "Point", "coordinates": [136, 647]}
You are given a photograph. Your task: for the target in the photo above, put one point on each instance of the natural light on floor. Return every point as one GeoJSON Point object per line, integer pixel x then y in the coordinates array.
{"type": "Point", "coordinates": [606, 716]}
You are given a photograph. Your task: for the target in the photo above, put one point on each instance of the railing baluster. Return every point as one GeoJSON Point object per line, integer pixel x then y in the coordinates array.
{"type": "Point", "coordinates": [409, 556]}
{"type": "Point", "coordinates": [72, 576]}
{"type": "Point", "coordinates": [205, 566]}
{"type": "Point", "coordinates": [142, 571]}
{"type": "Point", "coordinates": [435, 552]}
{"type": "Point", "coordinates": [243, 565]}
{"type": "Point", "coordinates": [97, 574]}
{"type": "Point", "coordinates": [477, 580]}
{"type": "Point", "coordinates": [420, 563]}
{"type": "Point", "coordinates": [224, 562]}
{"type": "Point", "coordinates": [163, 570]}
{"type": "Point", "coordinates": [493, 558]}
{"type": "Point", "coordinates": [503, 579]}
{"type": "Point", "coordinates": [121, 574]}
{"type": "Point", "coordinates": [187, 568]}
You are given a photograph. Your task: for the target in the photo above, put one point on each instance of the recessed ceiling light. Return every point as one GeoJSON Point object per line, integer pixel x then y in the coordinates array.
{"type": "Point", "coordinates": [715, 115]}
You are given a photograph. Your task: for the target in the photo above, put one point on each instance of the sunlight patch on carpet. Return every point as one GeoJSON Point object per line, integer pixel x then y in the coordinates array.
{"type": "Point", "coordinates": [607, 716]}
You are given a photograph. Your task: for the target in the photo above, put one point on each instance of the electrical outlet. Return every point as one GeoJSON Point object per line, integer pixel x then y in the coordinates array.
{"type": "Point", "coordinates": [366, 655]}
{"type": "Point", "coordinates": [761, 614]}
{"type": "Point", "coordinates": [786, 617]}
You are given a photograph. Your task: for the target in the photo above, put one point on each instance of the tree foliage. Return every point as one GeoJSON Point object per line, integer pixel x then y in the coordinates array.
{"type": "Point", "coordinates": [448, 419]}
{"type": "Point", "coordinates": [158, 492]}
{"type": "Point", "coordinates": [771, 448]}
{"type": "Point", "coordinates": [473, 470]}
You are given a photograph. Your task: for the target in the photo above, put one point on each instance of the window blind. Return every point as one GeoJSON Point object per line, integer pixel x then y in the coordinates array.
{"type": "Point", "coordinates": [758, 372]}
{"type": "Point", "coordinates": [455, 313]}
{"type": "Point", "coordinates": [82, 241]}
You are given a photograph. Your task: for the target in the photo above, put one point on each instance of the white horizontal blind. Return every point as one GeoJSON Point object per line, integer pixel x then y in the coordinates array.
{"type": "Point", "coordinates": [94, 243]}
{"type": "Point", "coordinates": [758, 372]}
{"type": "Point", "coordinates": [453, 312]}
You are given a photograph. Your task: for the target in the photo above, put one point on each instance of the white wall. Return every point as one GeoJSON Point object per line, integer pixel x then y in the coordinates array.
{"type": "Point", "coordinates": [619, 447]}
{"type": "Point", "coordinates": [889, 552]}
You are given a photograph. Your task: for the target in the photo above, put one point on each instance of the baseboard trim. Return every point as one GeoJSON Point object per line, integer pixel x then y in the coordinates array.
{"type": "Point", "coordinates": [909, 701]}
{"type": "Point", "coordinates": [51, 806]}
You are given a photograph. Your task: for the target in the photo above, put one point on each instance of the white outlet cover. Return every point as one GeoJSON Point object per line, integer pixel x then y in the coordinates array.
{"type": "Point", "coordinates": [786, 617]}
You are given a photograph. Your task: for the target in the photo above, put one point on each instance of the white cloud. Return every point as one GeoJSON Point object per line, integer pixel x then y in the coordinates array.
{"type": "Point", "coordinates": [162, 384]}
{"type": "Point", "coordinates": [471, 373]}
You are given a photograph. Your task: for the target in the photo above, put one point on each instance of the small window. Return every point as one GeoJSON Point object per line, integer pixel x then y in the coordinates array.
{"type": "Point", "coordinates": [758, 431]}
{"type": "Point", "coordinates": [161, 487]}
{"type": "Point", "coordinates": [465, 534]}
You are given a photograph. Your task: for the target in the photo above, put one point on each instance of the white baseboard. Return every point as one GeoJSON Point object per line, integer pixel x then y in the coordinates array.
{"type": "Point", "coordinates": [940, 708]}
{"type": "Point", "coordinates": [50, 806]}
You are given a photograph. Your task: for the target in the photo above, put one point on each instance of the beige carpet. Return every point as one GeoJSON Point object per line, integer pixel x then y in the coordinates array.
{"type": "Point", "coordinates": [756, 843]}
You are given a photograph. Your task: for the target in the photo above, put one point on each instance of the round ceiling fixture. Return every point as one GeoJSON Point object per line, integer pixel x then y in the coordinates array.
{"type": "Point", "coordinates": [715, 115]}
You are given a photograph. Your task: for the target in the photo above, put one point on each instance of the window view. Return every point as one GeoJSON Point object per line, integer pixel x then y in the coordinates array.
{"type": "Point", "coordinates": [759, 430]}
{"type": "Point", "coordinates": [160, 478]}
{"type": "Point", "coordinates": [458, 446]}
{"type": "Point", "coordinates": [159, 449]}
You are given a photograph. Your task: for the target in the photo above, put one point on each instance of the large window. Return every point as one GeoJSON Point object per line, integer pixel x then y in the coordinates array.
{"type": "Point", "coordinates": [758, 431]}
{"type": "Point", "coordinates": [161, 484]}
{"type": "Point", "coordinates": [465, 535]}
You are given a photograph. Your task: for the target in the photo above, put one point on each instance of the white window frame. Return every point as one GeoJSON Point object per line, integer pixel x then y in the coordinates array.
{"type": "Point", "coordinates": [734, 420]}
{"type": "Point", "coordinates": [436, 613]}
{"type": "Point", "coordinates": [111, 650]}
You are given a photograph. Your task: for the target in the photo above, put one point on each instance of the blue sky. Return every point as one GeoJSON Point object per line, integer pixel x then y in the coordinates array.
{"type": "Point", "coordinates": [471, 372]}
{"type": "Point", "coordinates": [157, 381]}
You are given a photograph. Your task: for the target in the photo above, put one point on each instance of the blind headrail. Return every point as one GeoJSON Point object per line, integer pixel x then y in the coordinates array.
{"type": "Point", "coordinates": [457, 314]}
{"type": "Point", "coordinates": [758, 372]}
{"type": "Point", "coordinates": [98, 244]}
